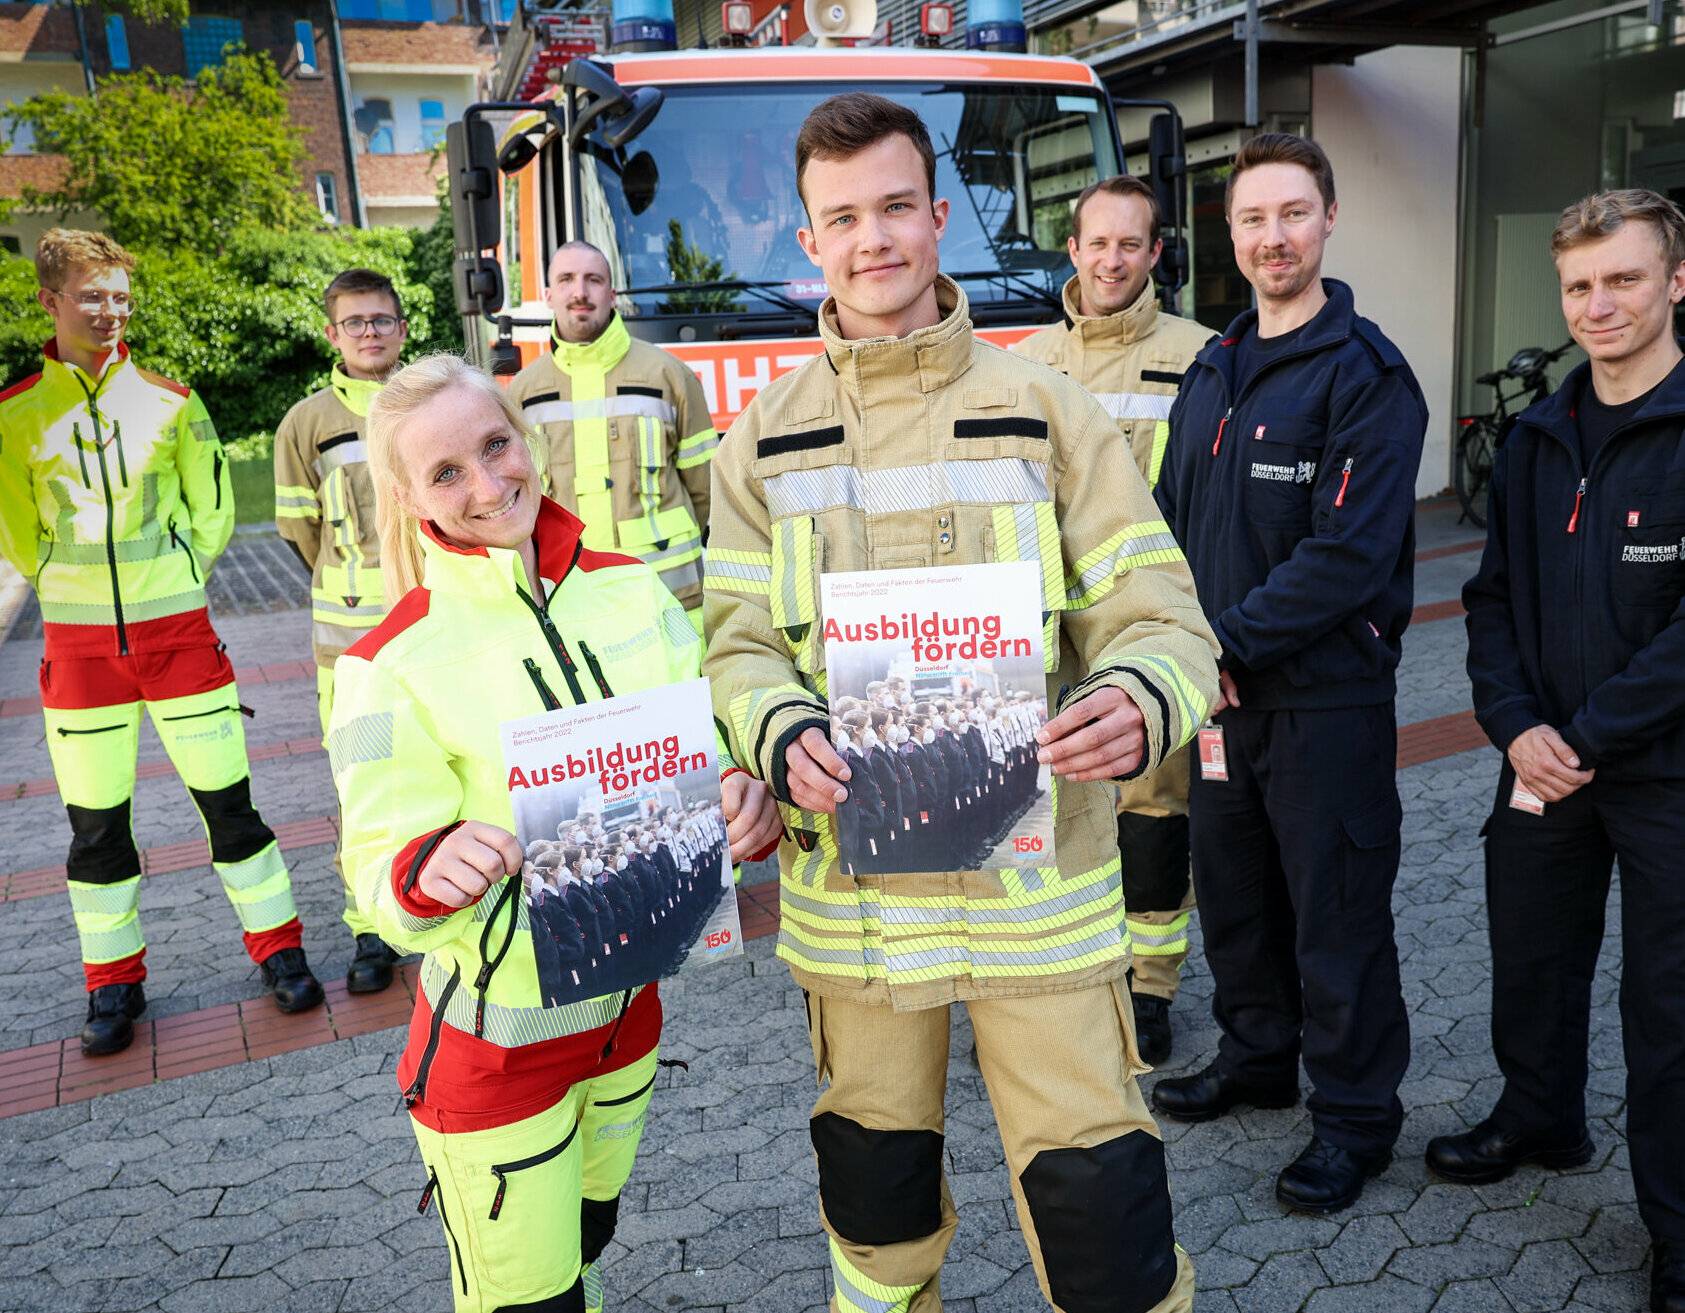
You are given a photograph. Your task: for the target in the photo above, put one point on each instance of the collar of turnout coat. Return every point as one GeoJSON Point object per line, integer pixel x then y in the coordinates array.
{"type": "Point", "coordinates": [1122, 327]}
{"type": "Point", "coordinates": [936, 356]}
{"type": "Point", "coordinates": [603, 352]}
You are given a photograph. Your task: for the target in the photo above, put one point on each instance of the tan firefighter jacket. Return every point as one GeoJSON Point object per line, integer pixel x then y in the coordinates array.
{"type": "Point", "coordinates": [1131, 363]}
{"type": "Point", "coordinates": [630, 439]}
{"type": "Point", "coordinates": [930, 450]}
{"type": "Point", "coordinates": [324, 505]}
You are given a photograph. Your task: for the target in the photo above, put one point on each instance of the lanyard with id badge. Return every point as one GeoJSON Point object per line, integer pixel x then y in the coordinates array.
{"type": "Point", "coordinates": [1213, 755]}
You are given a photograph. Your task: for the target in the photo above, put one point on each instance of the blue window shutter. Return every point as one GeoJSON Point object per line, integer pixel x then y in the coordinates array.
{"type": "Point", "coordinates": [117, 42]}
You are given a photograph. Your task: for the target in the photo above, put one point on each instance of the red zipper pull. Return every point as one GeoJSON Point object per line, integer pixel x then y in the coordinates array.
{"type": "Point", "coordinates": [1579, 496]}
{"type": "Point", "coordinates": [1221, 425]}
{"type": "Point", "coordinates": [497, 1199]}
{"type": "Point", "coordinates": [427, 1194]}
{"type": "Point", "coordinates": [1345, 482]}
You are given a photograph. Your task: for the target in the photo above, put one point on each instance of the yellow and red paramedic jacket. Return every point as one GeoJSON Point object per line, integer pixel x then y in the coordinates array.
{"type": "Point", "coordinates": [115, 500]}
{"type": "Point", "coordinates": [324, 506]}
{"type": "Point", "coordinates": [415, 751]}
{"type": "Point", "coordinates": [1132, 364]}
{"type": "Point", "coordinates": [930, 450]}
{"type": "Point", "coordinates": [629, 441]}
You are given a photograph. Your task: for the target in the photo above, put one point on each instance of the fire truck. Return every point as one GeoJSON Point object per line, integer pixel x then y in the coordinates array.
{"type": "Point", "coordinates": [679, 165]}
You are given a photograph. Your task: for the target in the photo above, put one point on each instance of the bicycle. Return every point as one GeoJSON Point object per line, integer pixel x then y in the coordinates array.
{"type": "Point", "coordinates": [1477, 435]}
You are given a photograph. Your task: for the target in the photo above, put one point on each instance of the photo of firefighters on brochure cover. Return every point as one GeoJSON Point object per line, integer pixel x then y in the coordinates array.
{"type": "Point", "coordinates": [937, 690]}
{"type": "Point", "coordinates": [627, 870]}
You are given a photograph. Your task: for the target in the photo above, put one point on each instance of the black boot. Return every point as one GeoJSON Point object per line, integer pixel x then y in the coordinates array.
{"type": "Point", "coordinates": [1667, 1277]}
{"type": "Point", "coordinates": [287, 976]}
{"type": "Point", "coordinates": [371, 969]}
{"type": "Point", "coordinates": [1489, 1153]}
{"type": "Point", "coordinates": [1152, 1028]}
{"type": "Point", "coordinates": [112, 1010]}
{"type": "Point", "coordinates": [1326, 1178]}
{"type": "Point", "coordinates": [1211, 1093]}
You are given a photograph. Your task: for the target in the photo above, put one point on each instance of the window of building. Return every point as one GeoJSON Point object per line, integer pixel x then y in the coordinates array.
{"type": "Point", "coordinates": [304, 37]}
{"type": "Point", "coordinates": [11, 244]}
{"type": "Point", "coordinates": [19, 136]}
{"type": "Point", "coordinates": [327, 197]}
{"type": "Point", "coordinates": [373, 119]}
{"type": "Point", "coordinates": [117, 42]}
{"type": "Point", "coordinates": [432, 124]}
{"type": "Point", "coordinates": [398, 11]}
{"type": "Point", "coordinates": [205, 38]}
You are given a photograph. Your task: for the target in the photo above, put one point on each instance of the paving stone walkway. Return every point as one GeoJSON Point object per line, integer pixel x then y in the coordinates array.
{"type": "Point", "coordinates": [290, 1182]}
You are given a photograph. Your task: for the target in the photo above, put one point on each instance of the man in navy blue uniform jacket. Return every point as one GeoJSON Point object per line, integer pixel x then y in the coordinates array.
{"type": "Point", "coordinates": [1577, 653]}
{"type": "Point", "coordinates": [1290, 483]}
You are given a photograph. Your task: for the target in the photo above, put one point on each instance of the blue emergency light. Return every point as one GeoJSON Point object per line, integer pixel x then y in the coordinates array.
{"type": "Point", "coordinates": [637, 25]}
{"type": "Point", "coordinates": [995, 25]}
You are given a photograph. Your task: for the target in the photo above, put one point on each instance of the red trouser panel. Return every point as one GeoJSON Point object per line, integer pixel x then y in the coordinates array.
{"type": "Point", "coordinates": [124, 971]}
{"type": "Point", "coordinates": [474, 1085]}
{"type": "Point", "coordinates": [261, 943]}
{"type": "Point", "coordinates": [170, 633]}
{"type": "Point", "coordinates": [80, 683]}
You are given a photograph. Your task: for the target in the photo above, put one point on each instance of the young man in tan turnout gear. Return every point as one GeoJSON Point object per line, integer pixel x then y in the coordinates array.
{"type": "Point", "coordinates": [908, 443]}
{"type": "Point", "coordinates": [626, 426]}
{"type": "Point", "coordinates": [1131, 356]}
{"type": "Point", "coordinates": [324, 507]}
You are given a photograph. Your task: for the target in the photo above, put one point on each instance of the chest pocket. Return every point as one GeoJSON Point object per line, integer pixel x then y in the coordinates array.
{"type": "Point", "coordinates": [347, 515]}
{"type": "Point", "coordinates": [805, 467]}
{"type": "Point", "coordinates": [666, 536]}
{"type": "Point", "coordinates": [1281, 459]}
{"type": "Point", "coordinates": [1650, 555]}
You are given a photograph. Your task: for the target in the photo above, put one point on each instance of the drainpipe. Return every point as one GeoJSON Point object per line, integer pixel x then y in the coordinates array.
{"type": "Point", "coordinates": [82, 47]}
{"type": "Point", "coordinates": [342, 91]}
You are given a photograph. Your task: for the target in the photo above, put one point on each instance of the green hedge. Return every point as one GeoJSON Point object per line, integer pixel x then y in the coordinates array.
{"type": "Point", "coordinates": [254, 490]}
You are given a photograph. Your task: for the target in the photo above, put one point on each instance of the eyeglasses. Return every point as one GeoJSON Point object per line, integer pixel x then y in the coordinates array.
{"type": "Point", "coordinates": [92, 302]}
{"type": "Point", "coordinates": [382, 325]}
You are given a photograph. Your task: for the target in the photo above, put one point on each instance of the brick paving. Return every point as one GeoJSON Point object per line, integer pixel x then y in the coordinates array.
{"type": "Point", "coordinates": [238, 1160]}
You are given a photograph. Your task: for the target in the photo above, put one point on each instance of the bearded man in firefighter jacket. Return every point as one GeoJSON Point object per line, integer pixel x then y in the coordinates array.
{"type": "Point", "coordinates": [1576, 626]}
{"type": "Point", "coordinates": [626, 427]}
{"type": "Point", "coordinates": [1131, 356]}
{"type": "Point", "coordinates": [324, 509]}
{"type": "Point", "coordinates": [1290, 483]}
{"type": "Point", "coordinates": [115, 500]}
{"type": "Point", "coordinates": [1038, 959]}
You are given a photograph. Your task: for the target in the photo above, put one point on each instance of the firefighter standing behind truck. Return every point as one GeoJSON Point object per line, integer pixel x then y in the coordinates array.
{"type": "Point", "coordinates": [1131, 356]}
{"type": "Point", "coordinates": [324, 507]}
{"type": "Point", "coordinates": [115, 501]}
{"type": "Point", "coordinates": [908, 443]}
{"type": "Point", "coordinates": [626, 426]}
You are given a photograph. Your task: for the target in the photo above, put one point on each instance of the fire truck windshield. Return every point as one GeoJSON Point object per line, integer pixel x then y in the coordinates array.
{"type": "Point", "coordinates": [706, 195]}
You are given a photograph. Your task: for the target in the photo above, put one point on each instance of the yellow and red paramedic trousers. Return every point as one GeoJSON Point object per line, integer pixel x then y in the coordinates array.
{"type": "Point", "coordinates": [92, 708]}
{"type": "Point", "coordinates": [355, 921]}
{"type": "Point", "coordinates": [528, 1208]}
{"type": "Point", "coordinates": [1082, 1151]}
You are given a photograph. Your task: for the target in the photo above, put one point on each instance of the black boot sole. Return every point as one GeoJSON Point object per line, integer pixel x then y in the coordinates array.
{"type": "Point", "coordinates": [313, 1000]}
{"type": "Point", "coordinates": [1577, 1155]}
{"type": "Point", "coordinates": [356, 984]}
{"type": "Point", "coordinates": [104, 1049]}
{"type": "Point", "coordinates": [1264, 1101]}
{"type": "Point", "coordinates": [1339, 1205]}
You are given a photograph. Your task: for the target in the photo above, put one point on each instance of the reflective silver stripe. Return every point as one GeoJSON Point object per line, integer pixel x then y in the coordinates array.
{"type": "Point", "coordinates": [680, 631]}
{"type": "Point", "coordinates": [346, 453]}
{"type": "Point", "coordinates": [854, 955]}
{"type": "Point", "coordinates": [902, 961]}
{"type": "Point", "coordinates": [96, 613]}
{"type": "Point", "coordinates": [562, 412]}
{"type": "Point", "coordinates": [125, 549]}
{"type": "Point", "coordinates": [510, 1028]}
{"type": "Point", "coordinates": [907, 488]}
{"type": "Point", "coordinates": [1136, 405]}
{"type": "Point", "coordinates": [1106, 937]}
{"type": "Point", "coordinates": [340, 633]}
{"type": "Point", "coordinates": [325, 606]}
{"type": "Point", "coordinates": [1099, 891]}
{"type": "Point", "coordinates": [813, 907]}
{"type": "Point", "coordinates": [364, 738]}
{"type": "Point", "coordinates": [860, 1299]}
{"type": "Point", "coordinates": [675, 547]}
{"type": "Point", "coordinates": [687, 574]}
{"type": "Point", "coordinates": [758, 574]}
{"type": "Point", "coordinates": [1130, 547]}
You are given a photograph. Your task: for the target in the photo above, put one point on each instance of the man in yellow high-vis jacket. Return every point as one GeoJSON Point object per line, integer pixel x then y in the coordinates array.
{"type": "Point", "coordinates": [324, 507]}
{"type": "Point", "coordinates": [115, 500]}
{"type": "Point", "coordinates": [1131, 356]}
{"type": "Point", "coordinates": [626, 426]}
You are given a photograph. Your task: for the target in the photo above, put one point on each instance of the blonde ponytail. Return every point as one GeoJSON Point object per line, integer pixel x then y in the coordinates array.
{"type": "Point", "coordinates": [404, 395]}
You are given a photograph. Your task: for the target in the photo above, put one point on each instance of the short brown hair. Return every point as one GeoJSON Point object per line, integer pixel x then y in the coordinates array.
{"type": "Point", "coordinates": [1283, 148]}
{"type": "Point", "coordinates": [62, 249]}
{"type": "Point", "coordinates": [1122, 185]}
{"type": "Point", "coordinates": [353, 281]}
{"type": "Point", "coordinates": [847, 124]}
{"type": "Point", "coordinates": [1602, 213]}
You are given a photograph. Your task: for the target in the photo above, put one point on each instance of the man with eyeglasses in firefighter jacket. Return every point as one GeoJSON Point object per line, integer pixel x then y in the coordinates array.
{"type": "Point", "coordinates": [115, 501]}
{"type": "Point", "coordinates": [324, 508]}
{"type": "Point", "coordinates": [626, 426]}
{"type": "Point", "coordinates": [1131, 355]}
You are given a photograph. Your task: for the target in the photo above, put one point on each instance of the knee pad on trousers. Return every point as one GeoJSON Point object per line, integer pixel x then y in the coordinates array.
{"type": "Point", "coordinates": [597, 1220]}
{"type": "Point", "coordinates": [102, 846]}
{"type": "Point", "coordinates": [1102, 1218]}
{"type": "Point", "coordinates": [571, 1300]}
{"type": "Point", "coordinates": [1154, 850]}
{"type": "Point", "coordinates": [878, 1187]}
{"type": "Point", "coordinates": [237, 831]}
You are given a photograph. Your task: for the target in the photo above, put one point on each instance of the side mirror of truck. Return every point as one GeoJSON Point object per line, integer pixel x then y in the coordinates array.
{"type": "Point", "coordinates": [603, 99]}
{"type": "Point", "coordinates": [471, 162]}
{"type": "Point", "coordinates": [1167, 168]}
{"type": "Point", "coordinates": [645, 104]}
{"type": "Point", "coordinates": [477, 281]}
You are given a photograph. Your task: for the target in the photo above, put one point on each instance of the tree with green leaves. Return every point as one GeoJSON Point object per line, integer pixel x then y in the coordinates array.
{"type": "Point", "coordinates": [687, 263]}
{"type": "Point", "coordinates": [176, 164]}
